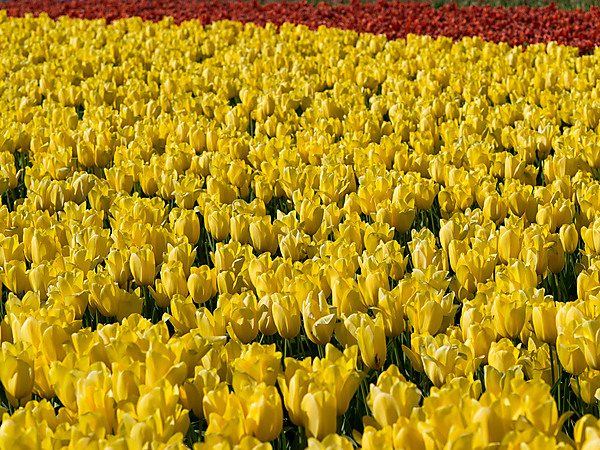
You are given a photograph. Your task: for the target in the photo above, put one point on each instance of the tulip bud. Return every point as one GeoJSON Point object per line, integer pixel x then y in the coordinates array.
{"type": "Point", "coordinates": [239, 227]}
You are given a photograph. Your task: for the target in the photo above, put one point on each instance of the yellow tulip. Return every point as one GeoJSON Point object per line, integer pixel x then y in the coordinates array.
{"type": "Point", "coordinates": [320, 412]}
{"type": "Point", "coordinates": [370, 335]}
{"type": "Point", "coordinates": [544, 322]}
{"type": "Point", "coordinates": [588, 339]}
{"type": "Point", "coordinates": [569, 238]}
{"type": "Point", "coordinates": [17, 376]}
{"type": "Point", "coordinates": [585, 388]}
{"type": "Point", "coordinates": [202, 284]}
{"type": "Point", "coordinates": [173, 279]}
{"type": "Point", "coordinates": [142, 266]}
{"type": "Point", "coordinates": [286, 315]}
{"type": "Point", "coordinates": [570, 355]}
{"type": "Point", "coordinates": [263, 235]}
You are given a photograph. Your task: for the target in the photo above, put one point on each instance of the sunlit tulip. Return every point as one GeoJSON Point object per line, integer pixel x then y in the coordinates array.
{"type": "Point", "coordinates": [202, 284]}
{"type": "Point", "coordinates": [173, 279]}
{"type": "Point", "coordinates": [544, 322]}
{"type": "Point", "coordinates": [510, 314]}
{"type": "Point", "coordinates": [320, 409]}
{"type": "Point", "coordinates": [217, 224]}
{"type": "Point", "coordinates": [503, 355]}
{"type": "Point", "coordinates": [318, 321]}
{"type": "Point", "coordinates": [588, 338]}
{"type": "Point", "coordinates": [570, 355]}
{"type": "Point", "coordinates": [263, 235]}
{"type": "Point", "coordinates": [390, 305]}
{"type": "Point", "coordinates": [509, 244]}
{"type": "Point", "coordinates": [142, 266]}
{"type": "Point", "coordinates": [586, 385]}
{"type": "Point", "coordinates": [286, 315]}
{"type": "Point", "coordinates": [14, 276]}
{"type": "Point", "coordinates": [265, 412]}
{"type": "Point", "coordinates": [17, 376]}
{"type": "Point", "coordinates": [370, 335]}
{"type": "Point", "coordinates": [188, 225]}
{"type": "Point", "coordinates": [569, 238]}
{"type": "Point", "coordinates": [393, 397]}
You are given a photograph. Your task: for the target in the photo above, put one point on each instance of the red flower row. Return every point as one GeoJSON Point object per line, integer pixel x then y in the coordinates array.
{"type": "Point", "coordinates": [515, 26]}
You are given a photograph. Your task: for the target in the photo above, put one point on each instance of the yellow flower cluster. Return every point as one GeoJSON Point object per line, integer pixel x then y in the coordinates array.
{"type": "Point", "coordinates": [249, 227]}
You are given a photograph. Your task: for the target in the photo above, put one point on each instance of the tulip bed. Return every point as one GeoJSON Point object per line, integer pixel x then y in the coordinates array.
{"type": "Point", "coordinates": [235, 236]}
{"type": "Point", "coordinates": [516, 26]}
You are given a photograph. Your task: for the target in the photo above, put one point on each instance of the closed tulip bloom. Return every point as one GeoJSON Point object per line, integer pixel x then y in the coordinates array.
{"type": "Point", "coordinates": [509, 315]}
{"type": "Point", "coordinates": [544, 322]}
{"type": "Point", "coordinates": [320, 410]}
{"type": "Point", "coordinates": [371, 341]}
{"type": "Point", "coordinates": [571, 357]}
{"type": "Point", "coordinates": [217, 224]}
{"type": "Point", "coordinates": [15, 277]}
{"type": "Point", "coordinates": [588, 338]}
{"type": "Point", "coordinates": [173, 279]}
{"type": "Point", "coordinates": [263, 235]}
{"type": "Point", "coordinates": [369, 285]}
{"type": "Point", "coordinates": [426, 317]}
{"type": "Point", "coordinates": [556, 255]}
{"type": "Point", "coordinates": [503, 355]}
{"type": "Point", "coordinates": [244, 323]}
{"type": "Point", "coordinates": [569, 238]}
{"type": "Point", "coordinates": [17, 377]}
{"type": "Point", "coordinates": [392, 310]}
{"type": "Point", "coordinates": [125, 386]}
{"type": "Point", "coordinates": [545, 216]}
{"type": "Point", "coordinates": [509, 244]}
{"type": "Point", "coordinates": [188, 225]}
{"type": "Point", "coordinates": [39, 279]}
{"type": "Point", "coordinates": [239, 227]}
{"type": "Point", "coordinates": [346, 296]}
{"type": "Point", "coordinates": [183, 252]}
{"type": "Point", "coordinates": [119, 267]}
{"type": "Point", "coordinates": [589, 383]}
{"type": "Point", "coordinates": [43, 247]}
{"type": "Point", "coordinates": [265, 414]}
{"type": "Point", "coordinates": [286, 315]}
{"type": "Point", "coordinates": [202, 284]}
{"type": "Point", "coordinates": [142, 265]}
{"type": "Point", "coordinates": [311, 215]}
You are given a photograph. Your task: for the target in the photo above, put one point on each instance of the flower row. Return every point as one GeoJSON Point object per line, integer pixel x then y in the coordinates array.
{"type": "Point", "coordinates": [516, 26]}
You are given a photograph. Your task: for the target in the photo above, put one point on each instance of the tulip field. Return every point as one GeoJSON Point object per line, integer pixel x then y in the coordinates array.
{"type": "Point", "coordinates": [284, 225]}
